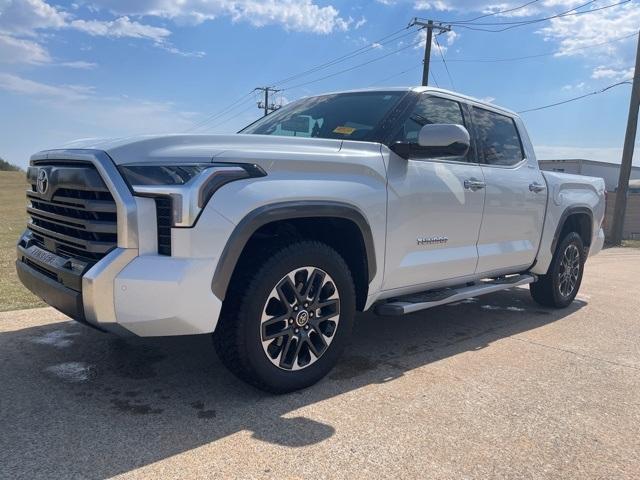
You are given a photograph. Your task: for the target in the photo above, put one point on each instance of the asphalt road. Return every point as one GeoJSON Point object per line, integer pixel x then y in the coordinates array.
{"type": "Point", "coordinates": [499, 387]}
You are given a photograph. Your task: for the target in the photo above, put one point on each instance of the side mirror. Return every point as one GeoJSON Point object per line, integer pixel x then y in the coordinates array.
{"type": "Point", "coordinates": [438, 140]}
{"type": "Point", "coordinates": [444, 140]}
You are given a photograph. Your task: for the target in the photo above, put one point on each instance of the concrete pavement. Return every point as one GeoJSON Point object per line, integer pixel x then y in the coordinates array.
{"type": "Point", "coordinates": [497, 387]}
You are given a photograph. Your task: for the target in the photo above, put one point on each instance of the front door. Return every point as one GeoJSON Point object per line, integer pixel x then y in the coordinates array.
{"type": "Point", "coordinates": [434, 206]}
{"type": "Point", "coordinates": [516, 195]}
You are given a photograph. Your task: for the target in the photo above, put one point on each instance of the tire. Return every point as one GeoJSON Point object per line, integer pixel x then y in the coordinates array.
{"type": "Point", "coordinates": [267, 337]}
{"type": "Point", "coordinates": [560, 285]}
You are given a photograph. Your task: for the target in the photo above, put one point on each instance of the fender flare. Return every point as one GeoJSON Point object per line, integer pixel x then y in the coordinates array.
{"type": "Point", "coordinates": [563, 219]}
{"type": "Point", "coordinates": [284, 211]}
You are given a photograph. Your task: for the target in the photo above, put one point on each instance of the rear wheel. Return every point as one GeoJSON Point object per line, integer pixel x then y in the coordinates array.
{"type": "Point", "coordinates": [559, 287]}
{"type": "Point", "coordinates": [286, 323]}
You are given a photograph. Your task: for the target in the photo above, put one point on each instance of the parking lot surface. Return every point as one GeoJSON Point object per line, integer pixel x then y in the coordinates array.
{"type": "Point", "coordinates": [495, 387]}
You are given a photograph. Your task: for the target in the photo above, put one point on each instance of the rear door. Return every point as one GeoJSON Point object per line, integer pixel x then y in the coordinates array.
{"type": "Point", "coordinates": [434, 208]}
{"type": "Point", "coordinates": [516, 196]}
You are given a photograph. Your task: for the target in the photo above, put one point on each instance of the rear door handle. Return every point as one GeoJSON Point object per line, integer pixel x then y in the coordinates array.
{"type": "Point", "coordinates": [536, 187]}
{"type": "Point", "coordinates": [474, 184]}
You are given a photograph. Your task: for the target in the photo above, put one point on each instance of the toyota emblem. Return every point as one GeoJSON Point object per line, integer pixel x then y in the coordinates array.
{"type": "Point", "coordinates": [43, 182]}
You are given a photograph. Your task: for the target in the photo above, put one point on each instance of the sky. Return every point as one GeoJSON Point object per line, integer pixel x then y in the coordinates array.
{"type": "Point", "coordinates": [113, 68]}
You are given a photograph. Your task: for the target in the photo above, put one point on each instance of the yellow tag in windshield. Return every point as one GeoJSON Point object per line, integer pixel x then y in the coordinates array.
{"type": "Point", "coordinates": [344, 130]}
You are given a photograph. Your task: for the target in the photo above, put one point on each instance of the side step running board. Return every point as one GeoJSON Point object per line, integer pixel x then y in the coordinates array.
{"type": "Point", "coordinates": [421, 301]}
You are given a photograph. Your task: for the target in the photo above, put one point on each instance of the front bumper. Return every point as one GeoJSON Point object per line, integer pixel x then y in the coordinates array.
{"type": "Point", "coordinates": [51, 291]}
{"type": "Point", "coordinates": [150, 295]}
{"type": "Point", "coordinates": [132, 289]}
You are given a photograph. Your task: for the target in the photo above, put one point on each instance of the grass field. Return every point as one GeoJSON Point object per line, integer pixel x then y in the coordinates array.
{"type": "Point", "coordinates": [13, 296]}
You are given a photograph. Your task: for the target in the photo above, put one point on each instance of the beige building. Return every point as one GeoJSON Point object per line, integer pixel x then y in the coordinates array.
{"type": "Point", "coordinates": [608, 171]}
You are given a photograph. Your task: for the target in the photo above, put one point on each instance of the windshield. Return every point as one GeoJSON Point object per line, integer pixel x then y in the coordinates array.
{"type": "Point", "coordinates": [344, 116]}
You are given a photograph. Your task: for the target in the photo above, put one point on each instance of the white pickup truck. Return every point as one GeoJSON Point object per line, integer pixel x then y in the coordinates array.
{"type": "Point", "coordinates": [397, 199]}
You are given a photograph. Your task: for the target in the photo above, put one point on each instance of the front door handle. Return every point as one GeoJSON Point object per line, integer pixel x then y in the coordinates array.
{"type": "Point", "coordinates": [536, 187]}
{"type": "Point", "coordinates": [474, 184]}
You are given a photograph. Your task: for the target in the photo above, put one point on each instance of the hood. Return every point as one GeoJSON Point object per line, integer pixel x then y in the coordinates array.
{"type": "Point", "coordinates": [205, 148]}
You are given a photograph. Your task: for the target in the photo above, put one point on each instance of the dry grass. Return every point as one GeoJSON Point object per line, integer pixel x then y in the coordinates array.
{"type": "Point", "coordinates": [13, 296]}
{"type": "Point", "coordinates": [631, 243]}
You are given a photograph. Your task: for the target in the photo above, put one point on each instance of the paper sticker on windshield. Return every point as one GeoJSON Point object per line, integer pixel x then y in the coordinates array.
{"type": "Point", "coordinates": [344, 130]}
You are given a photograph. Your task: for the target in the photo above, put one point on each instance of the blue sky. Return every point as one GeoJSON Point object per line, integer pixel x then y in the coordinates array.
{"type": "Point", "coordinates": [107, 68]}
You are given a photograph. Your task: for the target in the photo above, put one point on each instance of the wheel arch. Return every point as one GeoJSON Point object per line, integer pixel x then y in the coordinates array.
{"type": "Point", "coordinates": [298, 212]}
{"type": "Point", "coordinates": [577, 219]}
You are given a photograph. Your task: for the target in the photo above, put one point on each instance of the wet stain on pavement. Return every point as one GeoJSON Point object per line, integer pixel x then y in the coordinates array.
{"type": "Point", "coordinates": [135, 409]}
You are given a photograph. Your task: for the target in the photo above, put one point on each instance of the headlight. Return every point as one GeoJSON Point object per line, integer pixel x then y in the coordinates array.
{"type": "Point", "coordinates": [189, 186]}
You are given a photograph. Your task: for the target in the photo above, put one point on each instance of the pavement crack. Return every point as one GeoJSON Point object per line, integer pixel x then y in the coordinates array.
{"type": "Point", "coordinates": [583, 355]}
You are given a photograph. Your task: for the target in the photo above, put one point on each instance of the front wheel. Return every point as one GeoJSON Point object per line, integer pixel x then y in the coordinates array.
{"type": "Point", "coordinates": [560, 285]}
{"type": "Point", "coordinates": [289, 320]}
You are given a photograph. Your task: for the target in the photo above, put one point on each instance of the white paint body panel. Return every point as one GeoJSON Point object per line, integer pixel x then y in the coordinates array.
{"type": "Point", "coordinates": [513, 214]}
{"type": "Point", "coordinates": [428, 199]}
{"type": "Point", "coordinates": [568, 191]}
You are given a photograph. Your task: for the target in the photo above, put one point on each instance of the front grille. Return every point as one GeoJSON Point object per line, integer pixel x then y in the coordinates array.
{"type": "Point", "coordinates": [75, 217]}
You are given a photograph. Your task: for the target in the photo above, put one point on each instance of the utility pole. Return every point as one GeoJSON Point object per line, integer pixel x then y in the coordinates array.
{"type": "Point", "coordinates": [429, 25]}
{"type": "Point", "coordinates": [265, 104]}
{"type": "Point", "coordinates": [620, 209]}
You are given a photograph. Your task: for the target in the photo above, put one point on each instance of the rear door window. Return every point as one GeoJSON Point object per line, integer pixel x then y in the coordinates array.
{"type": "Point", "coordinates": [498, 138]}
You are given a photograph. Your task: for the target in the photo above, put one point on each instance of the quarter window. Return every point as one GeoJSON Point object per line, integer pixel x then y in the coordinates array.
{"type": "Point", "coordinates": [498, 137]}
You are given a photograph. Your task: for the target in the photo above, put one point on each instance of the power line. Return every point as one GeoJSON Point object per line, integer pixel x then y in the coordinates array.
{"type": "Point", "coordinates": [433, 77]}
{"type": "Point", "coordinates": [219, 113]}
{"type": "Point", "coordinates": [539, 55]}
{"type": "Point", "coordinates": [538, 20]}
{"type": "Point", "coordinates": [386, 39]}
{"type": "Point", "coordinates": [500, 12]}
{"type": "Point", "coordinates": [371, 46]}
{"type": "Point", "coordinates": [596, 92]}
{"type": "Point", "coordinates": [251, 107]}
{"type": "Point", "coordinates": [340, 72]}
{"type": "Point", "coordinates": [572, 10]}
{"type": "Point", "coordinates": [445, 63]}
{"type": "Point", "coordinates": [395, 75]}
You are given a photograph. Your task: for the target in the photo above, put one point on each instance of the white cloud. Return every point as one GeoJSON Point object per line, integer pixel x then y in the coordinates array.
{"type": "Point", "coordinates": [16, 50]}
{"type": "Point", "coordinates": [297, 15]}
{"type": "Point", "coordinates": [119, 28]}
{"type": "Point", "coordinates": [23, 86]}
{"type": "Point", "coordinates": [574, 33]}
{"type": "Point", "coordinates": [82, 65]}
{"type": "Point", "coordinates": [446, 40]}
{"type": "Point", "coordinates": [573, 87]}
{"type": "Point", "coordinates": [440, 5]}
{"type": "Point", "coordinates": [115, 114]}
{"type": "Point", "coordinates": [612, 73]}
{"type": "Point", "coordinates": [25, 16]}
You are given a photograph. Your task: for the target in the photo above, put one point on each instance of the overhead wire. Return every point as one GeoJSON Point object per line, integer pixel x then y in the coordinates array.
{"type": "Point", "coordinates": [340, 72]}
{"type": "Point", "coordinates": [499, 12]}
{"type": "Point", "coordinates": [539, 55]}
{"type": "Point", "coordinates": [360, 51]}
{"type": "Point", "coordinates": [590, 94]}
{"type": "Point", "coordinates": [512, 25]}
{"type": "Point", "coordinates": [445, 63]}
{"type": "Point", "coordinates": [218, 114]}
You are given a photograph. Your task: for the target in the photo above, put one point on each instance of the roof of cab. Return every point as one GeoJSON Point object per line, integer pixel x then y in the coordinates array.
{"type": "Point", "coordinates": [421, 89]}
